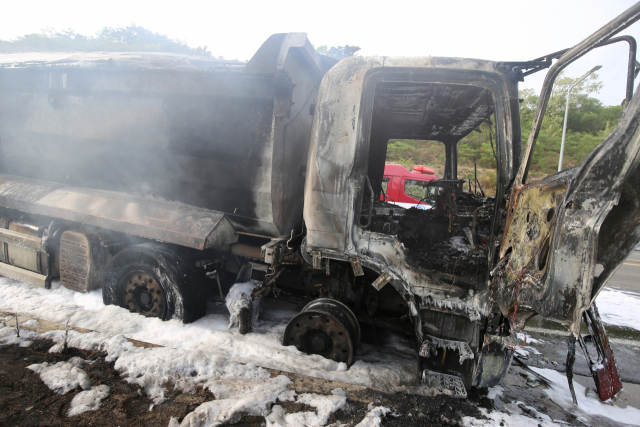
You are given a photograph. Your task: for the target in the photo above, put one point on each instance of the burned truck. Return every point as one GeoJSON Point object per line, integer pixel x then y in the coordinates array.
{"type": "Point", "coordinates": [163, 179]}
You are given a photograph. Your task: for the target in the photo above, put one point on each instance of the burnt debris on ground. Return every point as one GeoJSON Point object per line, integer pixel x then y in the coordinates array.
{"type": "Point", "coordinates": [26, 401]}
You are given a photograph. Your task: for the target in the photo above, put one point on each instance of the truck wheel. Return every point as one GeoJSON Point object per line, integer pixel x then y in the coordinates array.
{"type": "Point", "coordinates": [153, 281]}
{"type": "Point", "coordinates": [326, 327]}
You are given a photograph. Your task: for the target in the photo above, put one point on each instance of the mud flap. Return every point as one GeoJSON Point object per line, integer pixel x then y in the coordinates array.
{"type": "Point", "coordinates": [494, 360]}
{"type": "Point", "coordinates": [451, 385]}
{"type": "Point", "coordinates": [603, 369]}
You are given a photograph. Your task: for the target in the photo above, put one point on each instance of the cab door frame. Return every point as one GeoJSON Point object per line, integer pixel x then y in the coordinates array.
{"type": "Point", "coordinates": [548, 251]}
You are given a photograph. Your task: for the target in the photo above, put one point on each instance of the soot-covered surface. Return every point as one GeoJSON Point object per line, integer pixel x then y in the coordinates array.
{"type": "Point", "coordinates": [443, 239]}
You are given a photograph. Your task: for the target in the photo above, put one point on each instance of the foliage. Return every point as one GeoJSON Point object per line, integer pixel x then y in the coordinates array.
{"type": "Point", "coordinates": [588, 123]}
{"type": "Point", "coordinates": [131, 38]}
{"type": "Point", "coordinates": [409, 153]}
{"type": "Point", "coordinates": [338, 52]}
{"type": "Point", "coordinates": [586, 114]}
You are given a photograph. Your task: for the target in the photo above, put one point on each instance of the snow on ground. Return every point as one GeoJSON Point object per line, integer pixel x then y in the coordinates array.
{"type": "Point", "coordinates": [617, 307]}
{"type": "Point", "coordinates": [387, 368]}
{"type": "Point", "coordinates": [238, 388]}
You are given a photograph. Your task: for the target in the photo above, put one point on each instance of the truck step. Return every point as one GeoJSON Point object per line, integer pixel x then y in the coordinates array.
{"type": "Point", "coordinates": [23, 275]}
{"type": "Point", "coordinates": [443, 383]}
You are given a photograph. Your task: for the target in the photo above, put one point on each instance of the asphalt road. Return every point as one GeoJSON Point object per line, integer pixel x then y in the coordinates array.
{"type": "Point", "coordinates": [628, 275]}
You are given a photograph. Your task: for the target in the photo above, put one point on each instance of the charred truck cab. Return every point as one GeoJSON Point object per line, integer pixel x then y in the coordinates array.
{"type": "Point", "coordinates": [165, 180]}
{"type": "Point", "coordinates": [434, 264]}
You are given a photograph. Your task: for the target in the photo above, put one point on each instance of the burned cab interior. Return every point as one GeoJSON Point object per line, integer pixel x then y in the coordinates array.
{"type": "Point", "coordinates": [452, 238]}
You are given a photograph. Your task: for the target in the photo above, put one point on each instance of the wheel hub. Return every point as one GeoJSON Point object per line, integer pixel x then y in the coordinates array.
{"type": "Point", "coordinates": [143, 294]}
{"type": "Point", "coordinates": [324, 327]}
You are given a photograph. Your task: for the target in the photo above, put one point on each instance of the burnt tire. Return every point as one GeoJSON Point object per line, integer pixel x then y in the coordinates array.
{"type": "Point", "coordinates": [153, 281]}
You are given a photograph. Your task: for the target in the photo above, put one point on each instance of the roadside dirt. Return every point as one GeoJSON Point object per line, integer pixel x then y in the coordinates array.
{"type": "Point", "coordinates": [26, 401]}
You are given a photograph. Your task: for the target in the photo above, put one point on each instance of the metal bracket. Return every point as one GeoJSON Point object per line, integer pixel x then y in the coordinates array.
{"type": "Point", "coordinates": [382, 280]}
{"type": "Point", "coordinates": [317, 260]}
{"type": "Point", "coordinates": [357, 267]}
{"type": "Point", "coordinates": [215, 275]}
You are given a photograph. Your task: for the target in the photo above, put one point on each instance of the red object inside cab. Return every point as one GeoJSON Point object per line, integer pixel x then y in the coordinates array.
{"type": "Point", "coordinates": [404, 188]}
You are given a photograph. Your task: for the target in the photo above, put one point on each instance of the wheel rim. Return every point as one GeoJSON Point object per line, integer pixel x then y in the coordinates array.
{"type": "Point", "coordinates": [318, 333]}
{"type": "Point", "coordinates": [143, 294]}
{"type": "Point", "coordinates": [339, 311]}
{"type": "Point", "coordinates": [326, 327]}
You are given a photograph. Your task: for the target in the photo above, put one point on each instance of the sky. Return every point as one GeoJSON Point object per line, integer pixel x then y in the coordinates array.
{"type": "Point", "coordinates": [513, 30]}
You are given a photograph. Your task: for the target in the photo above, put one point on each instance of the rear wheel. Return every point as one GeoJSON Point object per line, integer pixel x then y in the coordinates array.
{"type": "Point", "coordinates": [142, 293]}
{"type": "Point", "coordinates": [153, 281]}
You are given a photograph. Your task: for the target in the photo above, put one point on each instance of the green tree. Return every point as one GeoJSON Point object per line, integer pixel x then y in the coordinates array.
{"type": "Point", "coordinates": [586, 113]}
{"type": "Point", "coordinates": [130, 38]}
{"type": "Point", "coordinates": [338, 52]}
{"type": "Point", "coordinates": [589, 122]}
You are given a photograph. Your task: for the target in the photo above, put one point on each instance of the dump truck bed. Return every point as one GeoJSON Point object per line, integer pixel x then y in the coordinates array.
{"type": "Point", "coordinates": [180, 138]}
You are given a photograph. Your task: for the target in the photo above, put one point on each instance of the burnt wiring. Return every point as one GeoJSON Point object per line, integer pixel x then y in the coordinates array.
{"type": "Point", "coordinates": [268, 283]}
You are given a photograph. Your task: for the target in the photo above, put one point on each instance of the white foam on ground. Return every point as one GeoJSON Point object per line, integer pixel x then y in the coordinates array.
{"type": "Point", "coordinates": [526, 339]}
{"type": "Point", "coordinates": [255, 400]}
{"type": "Point", "coordinates": [206, 354]}
{"type": "Point", "coordinates": [513, 419]}
{"type": "Point", "coordinates": [9, 335]}
{"type": "Point", "coordinates": [587, 405]}
{"type": "Point", "coordinates": [494, 392]}
{"type": "Point", "coordinates": [389, 369]}
{"type": "Point", "coordinates": [238, 297]}
{"type": "Point", "coordinates": [325, 405]}
{"type": "Point", "coordinates": [88, 400]}
{"type": "Point", "coordinates": [617, 307]}
{"type": "Point", "coordinates": [239, 389]}
{"type": "Point", "coordinates": [61, 377]}
{"type": "Point", "coordinates": [31, 323]}
{"type": "Point", "coordinates": [374, 416]}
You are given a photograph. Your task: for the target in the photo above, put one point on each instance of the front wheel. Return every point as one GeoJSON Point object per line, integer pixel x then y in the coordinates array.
{"type": "Point", "coordinates": [153, 281]}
